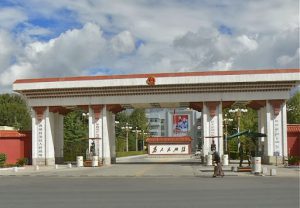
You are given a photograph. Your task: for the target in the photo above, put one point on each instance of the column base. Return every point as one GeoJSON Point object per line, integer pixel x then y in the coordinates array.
{"type": "Point", "coordinates": [273, 160]}
{"type": "Point", "coordinates": [43, 161]}
{"type": "Point", "coordinates": [50, 161]}
{"type": "Point", "coordinates": [38, 161]}
{"type": "Point", "coordinates": [106, 160]}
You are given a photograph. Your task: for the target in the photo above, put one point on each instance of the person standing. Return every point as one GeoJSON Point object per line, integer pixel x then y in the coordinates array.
{"type": "Point", "coordinates": [213, 146]}
{"type": "Point", "coordinates": [218, 171]}
{"type": "Point", "coordinates": [248, 154]}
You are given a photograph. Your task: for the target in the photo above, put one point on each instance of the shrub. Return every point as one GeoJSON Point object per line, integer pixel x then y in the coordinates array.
{"type": "Point", "coordinates": [2, 159]}
{"type": "Point", "coordinates": [9, 165]}
{"type": "Point", "coordinates": [234, 155]}
{"type": "Point", "coordinates": [294, 160]}
{"type": "Point", "coordinates": [22, 161]}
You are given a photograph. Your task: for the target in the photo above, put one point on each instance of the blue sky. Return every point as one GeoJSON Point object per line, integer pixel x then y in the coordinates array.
{"type": "Point", "coordinates": [88, 37]}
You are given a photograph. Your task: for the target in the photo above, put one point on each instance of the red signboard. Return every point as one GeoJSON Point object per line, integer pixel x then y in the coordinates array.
{"type": "Point", "coordinates": [180, 125]}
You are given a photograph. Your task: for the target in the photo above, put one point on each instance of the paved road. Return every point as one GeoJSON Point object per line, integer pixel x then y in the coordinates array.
{"type": "Point", "coordinates": [147, 182]}
{"type": "Point", "coordinates": [129, 192]}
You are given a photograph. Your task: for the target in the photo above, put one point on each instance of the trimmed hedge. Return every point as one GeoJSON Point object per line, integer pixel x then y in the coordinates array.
{"type": "Point", "coordinates": [22, 161]}
{"type": "Point", "coordinates": [2, 159]}
{"type": "Point", "coordinates": [294, 160]}
{"type": "Point", "coordinates": [233, 155]}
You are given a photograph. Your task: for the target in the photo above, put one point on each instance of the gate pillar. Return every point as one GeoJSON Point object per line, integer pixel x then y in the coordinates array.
{"type": "Point", "coordinates": [42, 136]}
{"type": "Point", "coordinates": [275, 149]}
{"type": "Point", "coordinates": [101, 132]}
{"type": "Point", "coordinates": [212, 126]}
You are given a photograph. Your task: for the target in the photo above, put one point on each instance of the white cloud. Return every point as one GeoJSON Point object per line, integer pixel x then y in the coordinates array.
{"type": "Point", "coordinates": [7, 49]}
{"type": "Point", "coordinates": [10, 17]}
{"type": "Point", "coordinates": [250, 44]}
{"type": "Point", "coordinates": [19, 70]}
{"type": "Point", "coordinates": [123, 42]}
{"type": "Point", "coordinates": [289, 61]}
{"type": "Point", "coordinates": [209, 49]}
{"type": "Point", "coordinates": [68, 54]}
{"type": "Point", "coordinates": [174, 36]}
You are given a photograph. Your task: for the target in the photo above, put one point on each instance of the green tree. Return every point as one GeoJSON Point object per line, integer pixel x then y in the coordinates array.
{"type": "Point", "coordinates": [14, 112]}
{"type": "Point", "coordinates": [122, 118]}
{"type": "Point", "coordinates": [136, 119]}
{"type": "Point", "coordinates": [248, 121]}
{"type": "Point", "coordinates": [293, 109]}
{"type": "Point", "coordinates": [139, 121]}
{"type": "Point", "coordinates": [75, 135]}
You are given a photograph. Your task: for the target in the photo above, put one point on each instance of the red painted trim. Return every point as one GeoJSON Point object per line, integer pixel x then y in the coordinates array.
{"type": "Point", "coordinates": [168, 140]}
{"type": "Point", "coordinates": [212, 106]}
{"type": "Point", "coordinates": [39, 112]}
{"type": "Point", "coordinates": [59, 109]}
{"type": "Point", "coordinates": [293, 128]}
{"type": "Point", "coordinates": [276, 104]}
{"type": "Point", "coordinates": [169, 154]}
{"type": "Point", "coordinates": [181, 74]}
{"type": "Point", "coordinates": [11, 134]}
{"type": "Point", "coordinates": [97, 111]}
{"type": "Point", "coordinates": [257, 104]}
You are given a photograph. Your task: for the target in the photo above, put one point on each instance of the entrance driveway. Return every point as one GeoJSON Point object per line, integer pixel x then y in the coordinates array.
{"type": "Point", "coordinates": [141, 166]}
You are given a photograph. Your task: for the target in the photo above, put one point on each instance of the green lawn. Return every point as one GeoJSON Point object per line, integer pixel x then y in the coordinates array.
{"type": "Point", "coordinates": [130, 153]}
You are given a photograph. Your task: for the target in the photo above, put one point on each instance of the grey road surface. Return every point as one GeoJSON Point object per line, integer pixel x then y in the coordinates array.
{"type": "Point", "coordinates": [128, 192]}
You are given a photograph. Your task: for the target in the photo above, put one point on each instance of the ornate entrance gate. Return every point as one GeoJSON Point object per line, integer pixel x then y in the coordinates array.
{"type": "Point", "coordinates": [208, 92]}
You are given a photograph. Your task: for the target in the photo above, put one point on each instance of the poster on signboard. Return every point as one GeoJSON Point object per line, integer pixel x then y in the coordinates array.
{"type": "Point", "coordinates": [180, 124]}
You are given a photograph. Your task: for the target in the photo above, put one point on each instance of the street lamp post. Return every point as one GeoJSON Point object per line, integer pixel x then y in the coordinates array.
{"type": "Point", "coordinates": [127, 129]}
{"type": "Point", "coordinates": [136, 137]}
{"type": "Point", "coordinates": [238, 112]}
{"type": "Point", "coordinates": [226, 122]}
{"type": "Point", "coordinates": [143, 141]}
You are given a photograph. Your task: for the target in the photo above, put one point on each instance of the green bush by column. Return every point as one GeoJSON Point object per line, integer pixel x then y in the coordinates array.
{"type": "Point", "coordinates": [2, 159]}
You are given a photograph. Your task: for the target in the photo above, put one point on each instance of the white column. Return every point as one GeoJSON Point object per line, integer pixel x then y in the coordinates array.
{"type": "Point", "coordinates": [49, 143]}
{"type": "Point", "coordinates": [101, 128]}
{"type": "Point", "coordinates": [284, 131]}
{"type": "Point", "coordinates": [38, 136]}
{"type": "Point", "coordinates": [106, 136]}
{"type": "Point", "coordinates": [220, 129]}
{"type": "Point", "coordinates": [34, 145]}
{"type": "Point", "coordinates": [95, 129]}
{"type": "Point", "coordinates": [269, 140]}
{"type": "Point", "coordinates": [276, 131]}
{"type": "Point", "coordinates": [205, 130]}
{"type": "Point", "coordinates": [212, 122]}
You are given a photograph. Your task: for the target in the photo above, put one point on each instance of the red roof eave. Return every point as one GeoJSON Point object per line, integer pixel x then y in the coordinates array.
{"type": "Point", "coordinates": [293, 128]}
{"type": "Point", "coordinates": [185, 139]}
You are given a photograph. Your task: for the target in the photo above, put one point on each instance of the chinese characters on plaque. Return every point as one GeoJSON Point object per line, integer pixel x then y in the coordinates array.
{"type": "Point", "coordinates": [173, 149]}
{"type": "Point", "coordinates": [212, 127]}
{"type": "Point", "coordinates": [40, 140]}
{"type": "Point", "coordinates": [276, 136]}
{"type": "Point", "coordinates": [97, 129]}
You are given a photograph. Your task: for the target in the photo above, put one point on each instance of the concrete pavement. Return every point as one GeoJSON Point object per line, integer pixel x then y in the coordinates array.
{"type": "Point", "coordinates": [143, 166]}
